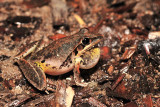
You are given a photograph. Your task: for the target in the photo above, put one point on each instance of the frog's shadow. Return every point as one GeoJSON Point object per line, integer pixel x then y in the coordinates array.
{"type": "Point", "coordinates": [87, 73]}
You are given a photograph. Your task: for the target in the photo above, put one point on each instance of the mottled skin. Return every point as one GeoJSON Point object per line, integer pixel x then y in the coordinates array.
{"type": "Point", "coordinates": [61, 56]}
{"type": "Point", "coordinates": [56, 53]}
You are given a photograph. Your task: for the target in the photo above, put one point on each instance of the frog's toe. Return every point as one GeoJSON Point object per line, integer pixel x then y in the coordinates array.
{"type": "Point", "coordinates": [33, 74]}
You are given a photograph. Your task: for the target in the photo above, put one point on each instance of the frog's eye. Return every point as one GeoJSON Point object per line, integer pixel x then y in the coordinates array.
{"type": "Point", "coordinates": [85, 41]}
{"type": "Point", "coordinates": [42, 61]}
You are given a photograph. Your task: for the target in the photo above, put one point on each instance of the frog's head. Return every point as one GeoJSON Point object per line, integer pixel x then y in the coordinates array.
{"type": "Point", "coordinates": [88, 41]}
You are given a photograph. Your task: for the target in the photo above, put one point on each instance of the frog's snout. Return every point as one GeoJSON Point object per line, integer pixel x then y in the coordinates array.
{"type": "Point", "coordinates": [99, 41]}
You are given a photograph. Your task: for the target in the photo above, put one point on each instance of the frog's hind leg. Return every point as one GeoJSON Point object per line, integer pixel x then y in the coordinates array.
{"type": "Point", "coordinates": [27, 50]}
{"type": "Point", "coordinates": [33, 74]}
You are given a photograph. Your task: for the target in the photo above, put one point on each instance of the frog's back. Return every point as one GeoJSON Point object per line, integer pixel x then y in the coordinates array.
{"type": "Point", "coordinates": [58, 50]}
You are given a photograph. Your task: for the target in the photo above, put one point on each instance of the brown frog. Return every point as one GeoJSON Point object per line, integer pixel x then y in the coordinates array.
{"type": "Point", "coordinates": [59, 57]}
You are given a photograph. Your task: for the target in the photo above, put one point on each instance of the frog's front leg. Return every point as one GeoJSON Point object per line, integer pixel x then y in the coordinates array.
{"type": "Point", "coordinates": [33, 73]}
{"type": "Point", "coordinates": [76, 72]}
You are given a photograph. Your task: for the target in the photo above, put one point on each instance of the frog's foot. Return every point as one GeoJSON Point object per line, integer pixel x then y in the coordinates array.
{"type": "Point", "coordinates": [77, 79]}
{"type": "Point", "coordinates": [82, 84]}
{"type": "Point", "coordinates": [33, 74]}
